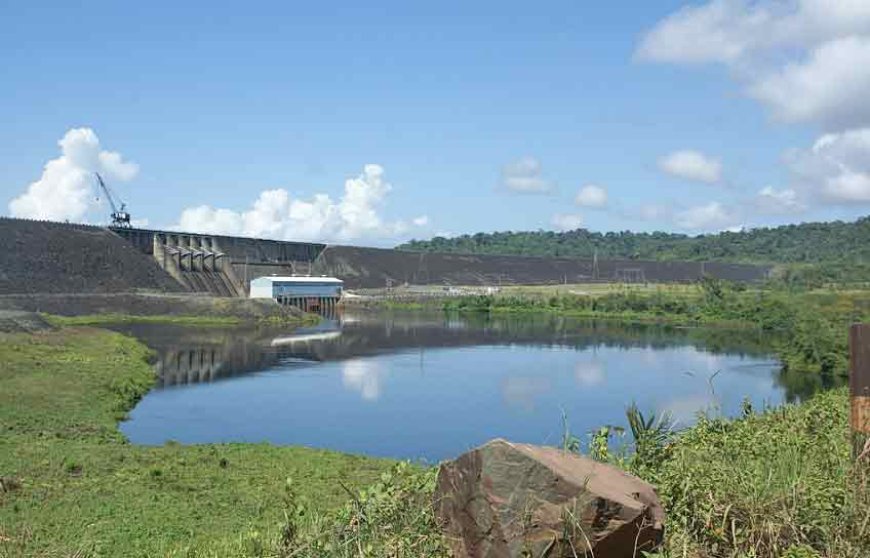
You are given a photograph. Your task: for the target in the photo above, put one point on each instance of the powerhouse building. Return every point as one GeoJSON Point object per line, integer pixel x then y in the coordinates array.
{"type": "Point", "coordinates": [311, 294]}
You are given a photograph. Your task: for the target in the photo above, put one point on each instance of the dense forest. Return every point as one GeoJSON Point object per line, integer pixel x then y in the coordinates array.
{"type": "Point", "coordinates": [808, 243]}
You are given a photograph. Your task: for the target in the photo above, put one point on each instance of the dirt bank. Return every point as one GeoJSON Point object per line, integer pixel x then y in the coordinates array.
{"type": "Point", "coordinates": [149, 304]}
{"type": "Point", "coordinates": [14, 321]}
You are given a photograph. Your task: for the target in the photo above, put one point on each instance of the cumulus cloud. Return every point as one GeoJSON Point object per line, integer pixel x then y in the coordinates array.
{"type": "Point", "coordinates": [567, 221]}
{"type": "Point", "coordinates": [712, 216]}
{"type": "Point", "coordinates": [591, 195]}
{"type": "Point", "coordinates": [729, 31]}
{"type": "Point", "coordinates": [66, 191]}
{"type": "Point", "coordinates": [831, 86]}
{"type": "Point", "coordinates": [691, 165]}
{"type": "Point", "coordinates": [836, 169]}
{"type": "Point", "coordinates": [525, 176]}
{"type": "Point", "coordinates": [720, 31]}
{"type": "Point", "coordinates": [807, 60]}
{"type": "Point", "coordinates": [275, 214]}
{"type": "Point", "coordinates": [421, 221]}
{"type": "Point", "coordinates": [779, 202]}
{"type": "Point", "coordinates": [652, 212]}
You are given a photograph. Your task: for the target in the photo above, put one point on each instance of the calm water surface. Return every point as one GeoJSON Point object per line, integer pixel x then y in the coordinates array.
{"type": "Point", "coordinates": [429, 386]}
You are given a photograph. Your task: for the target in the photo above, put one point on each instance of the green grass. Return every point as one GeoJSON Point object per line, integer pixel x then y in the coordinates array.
{"type": "Point", "coordinates": [780, 483]}
{"type": "Point", "coordinates": [77, 488]}
{"type": "Point", "coordinates": [114, 318]}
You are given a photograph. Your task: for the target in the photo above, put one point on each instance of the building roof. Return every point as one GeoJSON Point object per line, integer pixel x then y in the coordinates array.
{"type": "Point", "coordinates": [299, 279]}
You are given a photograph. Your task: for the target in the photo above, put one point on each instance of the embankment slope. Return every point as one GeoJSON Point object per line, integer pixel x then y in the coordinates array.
{"type": "Point", "coordinates": [45, 257]}
{"type": "Point", "coordinates": [376, 267]}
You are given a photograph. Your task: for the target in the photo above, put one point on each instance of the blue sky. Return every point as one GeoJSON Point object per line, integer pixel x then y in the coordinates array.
{"type": "Point", "coordinates": [377, 122]}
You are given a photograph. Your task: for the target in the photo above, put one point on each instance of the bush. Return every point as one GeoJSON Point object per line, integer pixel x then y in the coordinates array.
{"type": "Point", "coordinates": [776, 484]}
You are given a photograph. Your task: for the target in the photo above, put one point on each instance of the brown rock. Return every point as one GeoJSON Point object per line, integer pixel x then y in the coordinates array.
{"type": "Point", "coordinates": [504, 499]}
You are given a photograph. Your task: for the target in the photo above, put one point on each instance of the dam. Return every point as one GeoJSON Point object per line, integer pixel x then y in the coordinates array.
{"type": "Point", "coordinates": [50, 257]}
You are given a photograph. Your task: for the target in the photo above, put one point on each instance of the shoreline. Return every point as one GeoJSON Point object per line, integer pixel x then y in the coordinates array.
{"type": "Point", "coordinates": [76, 476]}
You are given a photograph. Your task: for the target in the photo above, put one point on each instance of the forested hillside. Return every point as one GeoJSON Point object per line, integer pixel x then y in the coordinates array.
{"type": "Point", "coordinates": [805, 243]}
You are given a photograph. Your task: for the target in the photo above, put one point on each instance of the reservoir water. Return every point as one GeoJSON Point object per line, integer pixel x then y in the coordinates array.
{"type": "Point", "coordinates": [432, 386]}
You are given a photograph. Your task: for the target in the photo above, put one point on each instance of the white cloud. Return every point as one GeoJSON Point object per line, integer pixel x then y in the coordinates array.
{"type": "Point", "coordinates": [692, 165]}
{"type": "Point", "coordinates": [524, 176]}
{"type": "Point", "coordinates": [807, 60]}
{"type": "Point", "coordinates": [274, 214]}
{"type": "Point", "coordinates": [720, 31]}
{"type": "Point", "coordinates": [836, 169]}
{"type": "Point", "coordinates": [566, 221]}
{"type": "Point", "coordinates": [420, 221]}
{"type": "Point", "coordinates": [709, 217]}
{"type": "Point", "coordinates": [779, 202]}
{"type": "Point", "coordinates": [66, 190]}
{"type": "Point", "coordinates": [848, 187]}
{"type": "Point", "coordinates": [729, 31]}
{"type": "Point", "coordinates": [652, 212]}
{"type": "Point", "coordinates": [591, 195]}
{"type": "Point", "coordinates": [830, 87]}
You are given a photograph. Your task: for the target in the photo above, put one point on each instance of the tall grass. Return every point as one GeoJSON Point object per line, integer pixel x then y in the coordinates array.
{"type": "Point", "coordinates": [782, 483]}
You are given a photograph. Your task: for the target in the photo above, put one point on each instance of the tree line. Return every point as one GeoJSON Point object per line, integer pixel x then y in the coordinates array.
{"type": "Point", "coordinates": [805, 243]}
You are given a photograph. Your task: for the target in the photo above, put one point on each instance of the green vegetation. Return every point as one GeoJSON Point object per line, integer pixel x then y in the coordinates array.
{"type": "Point", "coordinates": [781, 483]}
{"type": "Point", "coordinates": [814, 253]}
{"type": "Point", "coordinates": [202, 321]}
{"type": "Point", "coordinates": [812, 325]}
{"type": "Point", "coordinates": [777, 484]}
{"type": "Point", "coordinates": [72, 486]}
{"type": "Point", "coordinates": [114, 318]}
{"type": "Point", "coordinates": [804, 243]}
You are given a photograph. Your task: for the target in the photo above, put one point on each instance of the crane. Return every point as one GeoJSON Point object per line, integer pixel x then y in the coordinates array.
{"type": "Point", "coordinates": [120, 216]}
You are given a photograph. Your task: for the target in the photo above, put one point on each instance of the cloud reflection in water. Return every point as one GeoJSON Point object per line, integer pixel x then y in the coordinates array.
{"type": "Point", "coordinates": [362, 375]}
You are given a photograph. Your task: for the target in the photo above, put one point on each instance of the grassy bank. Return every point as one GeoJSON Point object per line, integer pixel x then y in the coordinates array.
{"type": "Point", "coordinates": [114, 318]}
{"type": "Point", "coordinates": [72, 486]}
{"type": "Point", "coordinates": [781, 483]}
{"type": "Point", "coordinates": [813, 324]}
{"type": "Point", "coordinates": [199, 321]}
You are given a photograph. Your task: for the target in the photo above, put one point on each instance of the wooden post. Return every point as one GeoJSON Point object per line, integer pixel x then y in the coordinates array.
{"type": "Point", "coordinates": [859, 388]}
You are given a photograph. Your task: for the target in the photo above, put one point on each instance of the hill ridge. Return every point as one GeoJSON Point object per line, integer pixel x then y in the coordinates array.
{"type": "Point", "coordinates": [813, 242]}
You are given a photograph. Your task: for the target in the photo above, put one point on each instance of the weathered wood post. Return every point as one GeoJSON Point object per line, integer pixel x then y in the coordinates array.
{"type": "Point", "coordinates": [859, 388]}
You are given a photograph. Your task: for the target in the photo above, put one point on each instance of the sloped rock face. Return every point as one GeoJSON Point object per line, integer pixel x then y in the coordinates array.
{"type": "Point", "coordinates": [504, 499]}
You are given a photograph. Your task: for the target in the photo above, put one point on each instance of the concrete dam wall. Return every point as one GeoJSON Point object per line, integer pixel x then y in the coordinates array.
{"type": "Point", "coordinates": [44, 257]}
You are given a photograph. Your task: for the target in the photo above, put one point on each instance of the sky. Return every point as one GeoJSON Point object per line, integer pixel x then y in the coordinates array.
{"type": "Point", "coordinates": [377, 122]}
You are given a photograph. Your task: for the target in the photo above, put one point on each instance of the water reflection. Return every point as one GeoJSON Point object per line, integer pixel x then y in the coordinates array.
{"type": "Point", "coordinates": [521, 392]}
{"type": "Point", "coordinates": [363, 376]}
{"type": "Point", "coordinates": [430, 385]}
{"type": "Point", "coordinates": [188, 355]}
{"type": "Point", "coordinates": [589, 373]}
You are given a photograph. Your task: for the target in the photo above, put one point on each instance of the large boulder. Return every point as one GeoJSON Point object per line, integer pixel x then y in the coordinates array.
{"type": "Point", "coordinates": [506, 499]}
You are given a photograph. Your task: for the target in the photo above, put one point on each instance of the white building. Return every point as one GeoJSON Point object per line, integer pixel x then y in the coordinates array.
{"type": "Point", "coordinates": [311, 294]}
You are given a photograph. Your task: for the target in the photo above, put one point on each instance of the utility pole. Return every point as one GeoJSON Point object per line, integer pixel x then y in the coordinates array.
{"type": "Point", "coordinates": [595, 265]}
